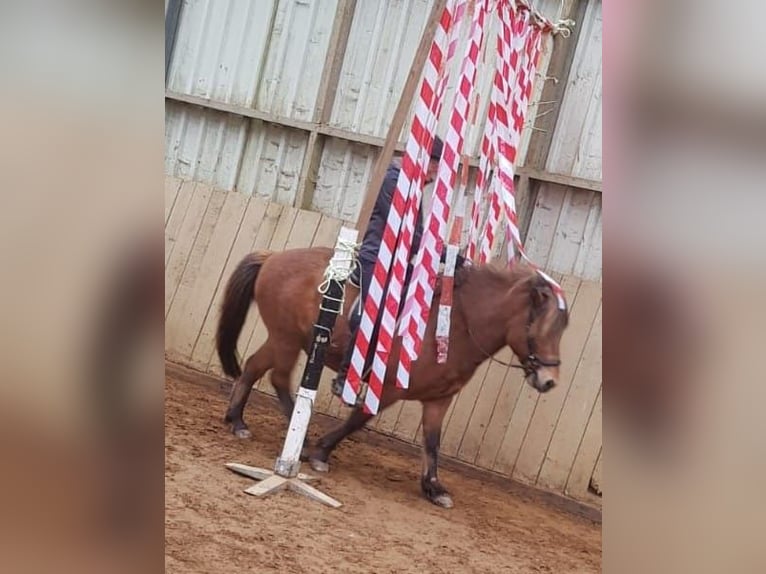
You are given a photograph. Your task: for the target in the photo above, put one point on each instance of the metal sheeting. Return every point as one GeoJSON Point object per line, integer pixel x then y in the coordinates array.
{"type": "Point", "coordinates": [228, 152]}
{"type": "Point", "coordinates": [576, 148]}
{"type": "Point", "coordinates": [266, 55]}
{"type": "Point", "coordinates": [344, 170]}
{"type": "Point", "coordinates": [383, 39]}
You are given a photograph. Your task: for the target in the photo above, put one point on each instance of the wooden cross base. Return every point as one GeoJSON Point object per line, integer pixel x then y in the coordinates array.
{"type": "Point", "coordinates": [273, 482]}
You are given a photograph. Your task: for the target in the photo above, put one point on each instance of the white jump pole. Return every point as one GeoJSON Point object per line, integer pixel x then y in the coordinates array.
{"type": "Point", "coordinates": [286, 470]}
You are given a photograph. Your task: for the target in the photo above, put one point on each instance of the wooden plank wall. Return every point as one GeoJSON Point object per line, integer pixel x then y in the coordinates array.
{"type": "Point", "coordinates": [497, 422]}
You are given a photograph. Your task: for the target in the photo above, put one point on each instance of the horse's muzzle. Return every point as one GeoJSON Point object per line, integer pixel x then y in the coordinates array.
{"type": "Point", "coordinates": [546, 386]}
{"type": "Point", "coordinates": [542, 379]}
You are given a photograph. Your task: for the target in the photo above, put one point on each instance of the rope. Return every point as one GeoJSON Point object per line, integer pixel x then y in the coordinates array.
{"type": "Point", "coordinates": [563, 27]}
{"type": "Point", "coordinates": [342, 264]}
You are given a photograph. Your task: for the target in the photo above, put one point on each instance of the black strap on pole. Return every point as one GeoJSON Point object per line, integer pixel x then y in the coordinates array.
{"type": "Point", "coordinates": [331, 307]}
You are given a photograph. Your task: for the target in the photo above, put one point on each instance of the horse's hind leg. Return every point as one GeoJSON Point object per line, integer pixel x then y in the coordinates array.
{"type": "Point", "coordinates": [327, 443]}
{"type": "Point", "coordinates": [285, 357]}
{"type": "Point", "coordinates": [433, 416]}
{"type": "Point", "coordinates": [255, 367]}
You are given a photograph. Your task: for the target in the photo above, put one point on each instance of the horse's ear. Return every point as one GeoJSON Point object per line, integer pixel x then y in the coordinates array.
{"type": "Point", "coordinates": [541, 293]}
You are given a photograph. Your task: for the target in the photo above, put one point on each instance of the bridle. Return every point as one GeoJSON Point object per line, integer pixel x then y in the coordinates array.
{"type": "Point", "coordinates": [531, 362]}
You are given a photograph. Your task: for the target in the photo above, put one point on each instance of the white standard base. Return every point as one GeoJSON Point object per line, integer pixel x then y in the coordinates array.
{"type": "Point", "coordinates": [272, 482]}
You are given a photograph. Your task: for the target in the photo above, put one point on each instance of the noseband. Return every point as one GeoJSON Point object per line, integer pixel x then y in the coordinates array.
{"type": "Point", "coordinates": [532, 362]}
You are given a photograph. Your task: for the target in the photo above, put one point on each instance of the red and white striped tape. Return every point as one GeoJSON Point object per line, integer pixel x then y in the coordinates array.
{"type": "Point", "coordinates": [418, 144]}
{"type": "Point", "coordinates": [393, 296]}
{"type": "Point", "coordinates": [488, 149]}
{"type": "Point", "coordinates": [511, 40]}
{"type": "Point", "coordinates": [443, 321]}
{"type": "Point", "coordinates": [420, 291]}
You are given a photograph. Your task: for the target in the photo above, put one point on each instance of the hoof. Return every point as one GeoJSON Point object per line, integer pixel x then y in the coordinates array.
{"type": "Point", "coordinates": [243, 433]}
{"type": "Point", "coordinates": [319, 465]}
{"type": "Point", "coordinates": [443, 500]}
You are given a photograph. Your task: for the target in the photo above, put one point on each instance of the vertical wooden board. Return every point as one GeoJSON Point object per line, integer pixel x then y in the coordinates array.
{"type": "Point", "coordinates": [590, 250]}
{"type": "Point", "coordinates": [177, 321]}
{"type": "Point", "coordinates": [542, 226]}
{"type": "Point", "coordinates": [543, 423]}
{"type": "Point", "coordinates": [569, 237]}
{"type": "Point", "coordinates": [172, 185]}
{"type": "Point", "coordinates": [461, 413]}
{"type": "Point", "coordinates": [575, 413]}
{"type": "Point", "coordinates": [304, 229]}
{"type": "Point", "coordinates": [507, 398]}
{"type": "Point", "coordinates": [338, 409]}
{"type": "Point", "coordinates": [588, 264]}
{"type": "Point", "coordinates": [284, 228]}
{"type": "Point", "coordinates": [409, 421]}
{"type": "Point", "coordinates": [183, 246]}
{"type": "Point", "coordinates": [386, 421]}
{"type": "Point", "coordinates": [176, 218]}
{"type": "Point", "coordinates": [327, 232]}
{"type": "Point", "coordinates": [485, 405]}
{"type": "Point", "coordinates": [595, 480]}
{"type": "Point", "coordinates": [514, 434]}
{"type": "Point", "coordinates": [587, 453]}
{"type": "Point", "coordinates": [193, 316]}
{"type": "Point", "coordinates": [204, 349]}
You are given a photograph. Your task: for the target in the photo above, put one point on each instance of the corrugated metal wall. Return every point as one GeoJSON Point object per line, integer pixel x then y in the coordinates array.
{"type": "Point", "coordinates": [265, 55]}
{"type": "Point", "coordinates": [269, 55]}
{"type": "Point", "coordinates": [229, 151]}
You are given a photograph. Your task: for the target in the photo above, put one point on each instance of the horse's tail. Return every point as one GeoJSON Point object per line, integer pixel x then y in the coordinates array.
{"type": "Point", "coordinates": [236, 302]}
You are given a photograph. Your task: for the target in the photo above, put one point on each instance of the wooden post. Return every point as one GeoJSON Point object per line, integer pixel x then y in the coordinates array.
{"type": "Point", "coordinates": [559, 68]}
{"type": "Point", "coordinates": [397, 122]}
{"type": "Point", "coordinates": [540, 141]}
{"type": "Point", "coordinates": [328, 89]}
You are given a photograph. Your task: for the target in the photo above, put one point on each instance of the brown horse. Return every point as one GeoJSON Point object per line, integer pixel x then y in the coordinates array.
{"type": "Point", "coordinates": [492, 308]}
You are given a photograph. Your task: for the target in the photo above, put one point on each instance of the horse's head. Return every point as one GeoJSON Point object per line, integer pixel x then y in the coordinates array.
{"type": "Point", "coordinates": [535, 330]}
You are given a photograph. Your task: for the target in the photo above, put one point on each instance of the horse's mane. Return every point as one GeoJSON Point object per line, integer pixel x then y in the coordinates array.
{"type": "Point", "coordinates": [491, 272]}
{"type": "Point", "coordinates": [515, 277]}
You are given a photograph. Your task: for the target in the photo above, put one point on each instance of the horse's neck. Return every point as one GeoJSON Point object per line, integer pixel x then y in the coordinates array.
{"type": "Point", "coordinates": [482, 305]}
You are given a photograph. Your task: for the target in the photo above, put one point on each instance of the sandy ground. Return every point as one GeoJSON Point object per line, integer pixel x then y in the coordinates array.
{"type": "Point", "coordinates": [384, 526]}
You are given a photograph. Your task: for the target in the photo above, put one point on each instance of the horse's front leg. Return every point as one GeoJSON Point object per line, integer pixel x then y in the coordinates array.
{"type": "Point", "coordinates": [433, 416]}
{"type": "Point", "coordinates": [320, 453]}
{"type": "Point", "coordinates": [327, 443]}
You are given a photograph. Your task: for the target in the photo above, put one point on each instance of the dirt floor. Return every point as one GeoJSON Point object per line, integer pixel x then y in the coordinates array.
{"type": "Point", "coordinates": [384, 526]}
